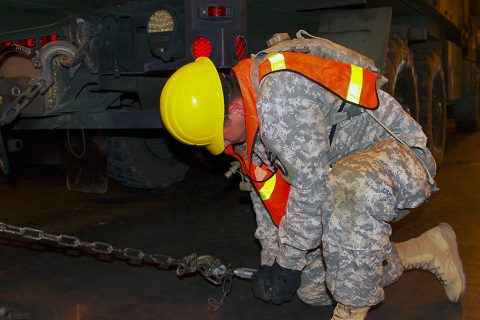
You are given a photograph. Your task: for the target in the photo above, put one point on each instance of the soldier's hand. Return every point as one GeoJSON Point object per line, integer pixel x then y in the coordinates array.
{"type": "Point", "coordinates": [275, 283]}
{"type": "Point", "coordinates": [262, 283]}
{"type": "Point", "coordinates": [285, 283]}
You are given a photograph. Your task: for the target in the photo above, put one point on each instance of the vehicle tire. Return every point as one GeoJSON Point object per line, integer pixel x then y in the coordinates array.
{"type": "Point", "coordinates": [432, 98]}
{"type": "Point", "coordinates": [400, 71]}
{"type": "Point", "coordinates": [143, 162]}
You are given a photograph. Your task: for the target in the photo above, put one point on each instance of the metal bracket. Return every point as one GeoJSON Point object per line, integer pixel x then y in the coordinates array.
{"type": "Point", "coordinates": [47, 54]}
{"type": "Point", "coordinates": [44, 59]}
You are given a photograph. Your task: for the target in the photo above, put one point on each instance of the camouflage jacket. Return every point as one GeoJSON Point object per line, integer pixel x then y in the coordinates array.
{"type": "Point", "coordinates": [293, 126]}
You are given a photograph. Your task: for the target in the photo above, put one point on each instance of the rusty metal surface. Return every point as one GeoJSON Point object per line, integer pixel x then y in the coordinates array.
{"type": "Point", "coordinates": [208, 215]}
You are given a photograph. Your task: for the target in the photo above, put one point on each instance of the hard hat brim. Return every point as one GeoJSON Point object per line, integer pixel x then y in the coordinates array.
{"type": "Point", "coordinates": [192, 105]}
{"type": "Point", "coordinates": [217, 146]}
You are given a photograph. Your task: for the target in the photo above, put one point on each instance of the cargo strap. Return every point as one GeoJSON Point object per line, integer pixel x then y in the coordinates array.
{"type": "Point", "coordinates": [334, 125]}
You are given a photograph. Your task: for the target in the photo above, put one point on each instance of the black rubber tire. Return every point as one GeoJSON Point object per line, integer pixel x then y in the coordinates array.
{"type": "Point", "coordinates": [432, 98]}
{"type": "Point", "coordinates": [143, 162]}
{"type": "Point", "coordinates": [400, 71]}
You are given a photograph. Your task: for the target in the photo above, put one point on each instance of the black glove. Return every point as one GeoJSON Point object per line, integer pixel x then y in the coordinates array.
{"type": "Point", "coordinates": [262, 283]}
{"type": "Point", "coordinates": [275, 283]}
{"type": "Point", "coordinates": [285, 283]}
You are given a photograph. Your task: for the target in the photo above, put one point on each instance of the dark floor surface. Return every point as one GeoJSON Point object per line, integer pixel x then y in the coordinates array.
{"type": "Point", "coordinates": [208, 215]}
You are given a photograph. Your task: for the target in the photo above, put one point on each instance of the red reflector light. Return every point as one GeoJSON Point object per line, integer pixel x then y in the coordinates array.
{"type": "Point", "coordinates": [29, 42]}
{"type": "Point", "coordinates": [240, 48]}
{"type": "Point", "coordinates": [217, 11]}
{"type": "Point", "coordinates": [6, 44]}
{"type": "Point", "coordinates": [49, 38]}
{"type": "Point", "coordinates": [202, 47]}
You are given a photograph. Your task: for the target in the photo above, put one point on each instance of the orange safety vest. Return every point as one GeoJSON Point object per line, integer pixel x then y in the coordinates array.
{"type": "Point", "coordinates": [351, 83]}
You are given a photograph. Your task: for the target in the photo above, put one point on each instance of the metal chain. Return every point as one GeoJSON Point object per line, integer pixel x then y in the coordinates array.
{"type": "Point", "coordinates": [12, 110]}
{"type": "Point", "coordinates": [210, 268]}
{"type": "Point", "coordinates": [184, 265]}
{"type": "Point", "coordinates": [42, 59]}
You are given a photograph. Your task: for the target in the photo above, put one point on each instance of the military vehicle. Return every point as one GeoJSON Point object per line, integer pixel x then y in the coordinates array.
{"type": "Point", "coordinates": [97, 78]}
{"type": "Point", "coordinates": [94, 78]}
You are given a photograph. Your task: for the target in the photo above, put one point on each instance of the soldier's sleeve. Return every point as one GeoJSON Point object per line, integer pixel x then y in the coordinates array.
{"type": "Point", "coordinates": [392, 114]}
{"type": "Point", "coordinates": [293, 129]}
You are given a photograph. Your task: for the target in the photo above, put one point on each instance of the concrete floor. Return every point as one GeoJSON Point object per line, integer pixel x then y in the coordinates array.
{"type": "Point", "coordinates": [208, 215]}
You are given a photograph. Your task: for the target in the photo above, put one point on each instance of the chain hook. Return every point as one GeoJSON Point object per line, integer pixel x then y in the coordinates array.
{"type": "Point", "coordinates": [211, 269]}
{"type": "Point", "coordinates": [215, 304]}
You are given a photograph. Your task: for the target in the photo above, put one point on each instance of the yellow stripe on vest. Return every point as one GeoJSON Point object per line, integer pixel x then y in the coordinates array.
{"type": "Point", "coordinates": [267, 189]}
{"type": "Point", "coordinates": [277, 61]}
{"type": "Point", "coordinates": [356, 83]}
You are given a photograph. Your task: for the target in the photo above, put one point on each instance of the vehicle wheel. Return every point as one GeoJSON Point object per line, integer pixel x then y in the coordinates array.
{"type": "Point", "coordinates": [400, 72]}
{"type": "Point", "coordinates": [143, 162]}
{"type": "Point", "coordinates": [432, 98]}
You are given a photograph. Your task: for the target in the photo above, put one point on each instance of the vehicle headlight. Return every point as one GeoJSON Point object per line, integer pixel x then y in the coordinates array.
{"type": "Point", "coordinates": [160, 21]}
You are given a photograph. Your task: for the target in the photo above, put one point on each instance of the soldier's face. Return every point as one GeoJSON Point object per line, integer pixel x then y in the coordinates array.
{"type": "Point", "coordinates": [234, 130]}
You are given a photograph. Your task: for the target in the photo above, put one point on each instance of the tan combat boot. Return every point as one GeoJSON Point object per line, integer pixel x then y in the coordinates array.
{"type": "Point", "coordinates": [436, 251]}
{"type": "Point", "coordinates": [343, 312]}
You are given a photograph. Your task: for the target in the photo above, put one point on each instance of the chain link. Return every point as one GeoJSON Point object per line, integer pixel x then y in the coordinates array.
{"type": "Point", "coordinates": [133, 254]}
{"type": "Point", "coordinates": [215, 304]}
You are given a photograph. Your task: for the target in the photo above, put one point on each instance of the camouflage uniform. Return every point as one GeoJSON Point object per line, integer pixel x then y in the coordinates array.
{"type": "Point", "coordinates": [343, 195]}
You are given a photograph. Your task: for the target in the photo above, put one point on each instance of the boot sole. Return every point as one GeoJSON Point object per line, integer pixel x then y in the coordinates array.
{"type": "Point", "coordinates": [449, 233]}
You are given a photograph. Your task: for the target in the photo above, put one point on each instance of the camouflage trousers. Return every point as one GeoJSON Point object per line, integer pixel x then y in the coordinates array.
{"type": "Point", "coordinates": [357, 259]}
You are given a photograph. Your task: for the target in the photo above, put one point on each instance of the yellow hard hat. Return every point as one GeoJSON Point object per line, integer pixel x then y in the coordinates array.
{"type": "Point", "coordinates": [192, 105]}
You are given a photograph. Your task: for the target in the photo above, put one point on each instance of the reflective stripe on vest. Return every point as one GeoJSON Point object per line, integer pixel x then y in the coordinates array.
{"type": "Point", "coordinates": [277, 60]}
{"type": "Point", "coordinates": [355, 85]}
{"type": "Point", "coordinates": [352, 83]}
{"type": "Point", "coordinates": [267, 189]}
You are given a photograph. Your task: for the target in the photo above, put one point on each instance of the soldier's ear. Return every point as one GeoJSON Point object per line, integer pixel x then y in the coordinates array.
{"type": "Point", "coordinates": [236, 107]}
